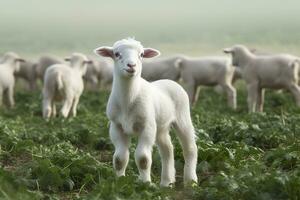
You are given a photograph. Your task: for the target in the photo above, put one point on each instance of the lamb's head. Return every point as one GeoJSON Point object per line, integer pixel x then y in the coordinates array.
{"type": "Point", "coordinates": [127, 55]}
{"type": "Point", "coordinates": [14, 59]}
{"type": "Point", "coordinates": [238, 53]}
{"type": "Point", "coordinates": [79, 61]}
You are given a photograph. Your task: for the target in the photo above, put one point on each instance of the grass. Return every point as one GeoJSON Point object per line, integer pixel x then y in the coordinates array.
{"type": "Point", "coordinates": [241, 155]}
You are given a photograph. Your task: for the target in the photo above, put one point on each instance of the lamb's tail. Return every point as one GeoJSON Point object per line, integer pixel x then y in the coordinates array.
{"type": "Point", "coordinates": [178, 63]}
{"type": "Point", "coordinates": [59, 81]}
{"type": "Point", "coordinates": [295, 63]}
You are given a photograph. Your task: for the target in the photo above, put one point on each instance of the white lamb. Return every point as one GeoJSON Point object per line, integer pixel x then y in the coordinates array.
{"type": "Point", "coordinates": [137, 107]}
{"type": "Point", "coordinates": [99, 73]}
{"type": "Point", "coordinates": [265, 71]}
{"type": "Point", "coordinates": [164, 68]}
{"type": "Point", "coordinates": [208, 71]}
{"type": "Point", "coordinates": [64, 82]}
{"type": "Point", "coordinates": [10, 63]}
{"type": "Point", "coordinates": [28, 73]}
{"type": "Point", "coordinates": [44, 62]}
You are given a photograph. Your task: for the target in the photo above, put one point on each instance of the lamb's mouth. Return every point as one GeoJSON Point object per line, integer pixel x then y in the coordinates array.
{"type": "Point", "coordinates": [130, 70]}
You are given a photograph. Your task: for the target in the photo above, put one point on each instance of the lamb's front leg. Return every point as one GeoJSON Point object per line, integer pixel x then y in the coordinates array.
{"type": "Point", "coordinates": [143, 153]}
{"type": "Point", "coordinates": [252, 96]}
{"type": "Point", "coordinates": [121, 143]}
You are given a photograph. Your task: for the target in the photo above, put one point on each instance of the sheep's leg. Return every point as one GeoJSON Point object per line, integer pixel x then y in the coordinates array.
{"type": "Point", "coordinates": [295, 90]}
{"type": "Point", "coordinates": [252, 97]}
{"type": "Point", "coordinates": [47, 107]}
{"type": "Point", "coordinates": [66, 106]}
{"type": "Point", "coordinates": [185, 132]}
{"type": "Point", "coordinates": [260, 99]}
{"type": "Point", "coordinates": [143, 153]}
{"type": "Point", "coordinates": [191, 89]}
{"type": "Point", "coordinates": [1, 97]}
{"type": "Point", "coordinates": [53, 109]}
{"type": "Point", "coordinates": [10, 97]}
{"type": "Point", "coordinates": [197, 92]}
{"type": "Point", "coordinates": [231, 95]}
{"type": "Point", "coordinates": [121, 143]}
{"type": "Point", "coordinates": [163, 141]}
{"type": "Point", "coordinates": [32, 85]}
{"type": "Point", "coordinates": [74, 107]}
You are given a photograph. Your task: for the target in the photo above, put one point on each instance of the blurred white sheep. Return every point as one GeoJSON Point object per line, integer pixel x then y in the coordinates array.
{"type": "Point", "coordinates": [265, 71]}
{"type": "Point", "coordinates": [10, 64]}
{"type": "Point", "coordinates": [208, 71]}
{"type": "Point", "coordinates": [64, 82]}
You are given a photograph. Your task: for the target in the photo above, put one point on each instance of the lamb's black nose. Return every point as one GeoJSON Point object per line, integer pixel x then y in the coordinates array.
{"type": "Point", "coordinates": [131, 65]}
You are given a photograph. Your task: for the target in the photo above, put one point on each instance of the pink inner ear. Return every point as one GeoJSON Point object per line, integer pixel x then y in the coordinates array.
{"type": "Point", "coordinates": [105, 52]}
{"type": "Point", "coordinates": [227, 50]}
{"type": "Point", "coordinates": [149, 53]}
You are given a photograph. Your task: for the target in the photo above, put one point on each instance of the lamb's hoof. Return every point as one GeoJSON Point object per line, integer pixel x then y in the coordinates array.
{"type": "Point", "coordinates": [167, 185]}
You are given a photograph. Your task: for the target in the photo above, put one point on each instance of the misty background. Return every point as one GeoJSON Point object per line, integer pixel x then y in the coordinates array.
{"type": "Point", "coordinates": [193, 27]}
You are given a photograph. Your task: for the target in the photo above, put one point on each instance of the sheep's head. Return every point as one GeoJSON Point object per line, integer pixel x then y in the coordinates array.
{"type": "Point", "coordinates": [237, 52]}
{"type": "Point", "coordinates": [79, 61]}
{"type": "Point", "coordinates": [127, 55]}
{"type": "Point", "coordinates": [14, 58]}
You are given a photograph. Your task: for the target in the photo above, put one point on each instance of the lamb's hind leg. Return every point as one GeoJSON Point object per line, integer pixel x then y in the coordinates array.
{"type": "Point", "coordinates": [53, 109]}
{"type": "Point", "coordinates": [260, 99]}
{"type": "Point", "coordinates": [1, 96]}
{"type": "Point", "coordinates": [66, 106]}
{"type": "Point", "coordinates": [252, 89]}
{"type": "Point", "coordinates": [165, 147]}
{"type": "Point", "coordinates": [74, 106]}
{"type": "Point", "coordinates": [186, 135]}
{"type": "Point", "coordinates": [191, 89]}
{"type": "Point", "coordinates": [47, 107]}
{"type": "Point", "coordinates": [295, 90]}
{"type": "Point", "coordinates": [231, 95]}
{"type": "Point", "coordinates": [10, 97]}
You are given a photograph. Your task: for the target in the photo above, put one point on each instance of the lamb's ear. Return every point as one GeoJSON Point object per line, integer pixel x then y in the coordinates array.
{"type": "Point", "coordinates": [21, 60]}
{"type": "Point", "coordinates": [253, 50]}
{"type": "Point", "coordinates": [67, 59]}
{"type": "Point", "coordinates": [88, 61]}
{"type": "Point", "coordinates": [150, 53]}
{"type": "Point", "coordinates": [104, 51]}
{"type": "Point", "coordinates": [227, 50]}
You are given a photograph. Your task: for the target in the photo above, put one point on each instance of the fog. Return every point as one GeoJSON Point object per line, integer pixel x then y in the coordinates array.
{"type": "Point", "coordinates": [33, 26]}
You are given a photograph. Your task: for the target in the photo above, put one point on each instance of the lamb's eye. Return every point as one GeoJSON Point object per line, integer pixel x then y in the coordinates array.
{"type": "Point", "coordinates": [142, 55]}
{"type": "Point", "coordinates": [117, 54]}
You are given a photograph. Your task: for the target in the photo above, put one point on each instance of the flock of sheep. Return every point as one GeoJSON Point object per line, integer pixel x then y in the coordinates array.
{"type": "Point", "coordinates": [145, 99]}
{"type": "Point", "coordinates": [258, 71]}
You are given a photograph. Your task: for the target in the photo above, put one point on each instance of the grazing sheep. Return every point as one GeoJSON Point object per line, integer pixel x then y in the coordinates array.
{"type": "Point", "coordinates": [147, 110]}
{"type": "Point", "coordinates": [64, 82]}
{"type": "Point", "coordinates": [99, 72]}
{"type": "Point", "coordinates": [28, 72]}
{"type": "Point", "coordinates": [267, 71]}
{"type": "Point", "coordinates": [44, 62]}
{"type": "Point", "coordinates": [165, 68]}
{"type": "Point", "coordinates": [208, 71]}
{"type": "Point", "coordinates": [10, 63]}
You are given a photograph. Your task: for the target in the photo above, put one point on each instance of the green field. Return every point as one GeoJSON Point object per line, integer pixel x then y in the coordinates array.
{"type": "Point", "coordinates": [241, 156]}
